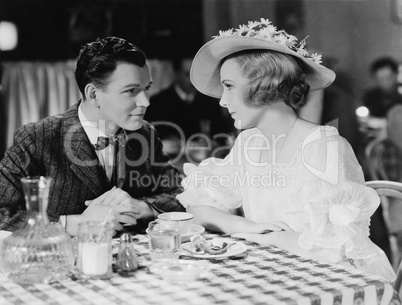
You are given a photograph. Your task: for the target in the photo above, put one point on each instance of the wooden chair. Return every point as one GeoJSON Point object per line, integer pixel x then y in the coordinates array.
{"type": "Point", "coordinates": [390, 189]}
{"type": "Point", "coordinates": [386, 188]}
{"type": "Point", "coordinates": [384, 160]}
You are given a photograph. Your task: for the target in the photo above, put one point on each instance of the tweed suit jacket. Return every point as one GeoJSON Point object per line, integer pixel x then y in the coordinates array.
{"type": "Point", "coordinates": [58, 147]}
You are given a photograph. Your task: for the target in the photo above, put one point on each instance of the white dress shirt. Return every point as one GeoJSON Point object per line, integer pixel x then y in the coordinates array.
{"type": "Point", "coordinates": [93, 131]}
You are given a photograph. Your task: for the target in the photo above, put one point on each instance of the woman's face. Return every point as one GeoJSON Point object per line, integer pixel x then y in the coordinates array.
{"type": "Point", "coordinates": [234, 97]}
{"type": "Point", "coordinates": [126, 97]}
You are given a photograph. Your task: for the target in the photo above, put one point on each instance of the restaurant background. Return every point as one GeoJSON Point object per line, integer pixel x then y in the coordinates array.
{"type": "Point", "coordinates": [38, 74]}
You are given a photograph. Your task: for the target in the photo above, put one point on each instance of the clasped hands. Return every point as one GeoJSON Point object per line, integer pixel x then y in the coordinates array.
{"type": "Point", "coordinates": [118, 207]}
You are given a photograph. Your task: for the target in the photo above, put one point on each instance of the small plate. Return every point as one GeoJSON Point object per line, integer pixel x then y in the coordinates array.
{"type": "Point", "coordinates": [180, 272]}
{"type": "Point", "coordinates": [195, 229]}
{"type": "Point", "coordinates": [234, 249]}
{"type": "Point", "coordinates": [158, 267]}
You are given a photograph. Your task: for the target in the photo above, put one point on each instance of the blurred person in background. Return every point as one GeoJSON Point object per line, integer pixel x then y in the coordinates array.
{"type": "Point", "coordinates": [384, 94]}
{"type": "Point", "coordinates": [334, 106]}
{"type": "Point", "coordinates": [191, 113]}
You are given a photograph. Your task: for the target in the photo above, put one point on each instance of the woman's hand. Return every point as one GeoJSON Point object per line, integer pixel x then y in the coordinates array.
{"type": "Point", "coordinates": [262, 239]}
{"type": "Point", "coordinates": [263, 233]}
{"type": "Point", "coordinates": [289, 241]}
{"type": "Point", "coordinates": [262, 228]}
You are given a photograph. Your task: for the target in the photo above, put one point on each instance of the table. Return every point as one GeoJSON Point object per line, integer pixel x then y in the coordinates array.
{"type": "Point", "coordinates": [267, 275]}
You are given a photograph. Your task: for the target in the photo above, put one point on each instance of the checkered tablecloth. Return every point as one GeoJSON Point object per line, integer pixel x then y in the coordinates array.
{"type": "Point", "coordinates": [267, 275]}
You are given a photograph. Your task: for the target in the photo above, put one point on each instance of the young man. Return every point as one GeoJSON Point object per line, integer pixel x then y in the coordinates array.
{"type": "Point", "coordinates": [105, 161]}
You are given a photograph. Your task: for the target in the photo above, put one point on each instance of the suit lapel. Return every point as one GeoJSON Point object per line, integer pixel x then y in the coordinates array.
{"type": "Point", "coordinates": [81, 154]}
{"type": "Point", "coordinates": [134, 158]}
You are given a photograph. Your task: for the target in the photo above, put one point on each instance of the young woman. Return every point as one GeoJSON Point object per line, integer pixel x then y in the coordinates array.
{"type": "Point", "coordinates": [299, 184]}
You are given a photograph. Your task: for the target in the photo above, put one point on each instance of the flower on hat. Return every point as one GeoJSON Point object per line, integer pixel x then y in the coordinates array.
{"type": "Point", "coordinates": [265, 30]}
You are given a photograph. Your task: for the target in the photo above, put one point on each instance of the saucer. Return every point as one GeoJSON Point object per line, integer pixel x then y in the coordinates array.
{"type": "Point", "coordinates": [195, 229]}
{"type": "Point", "coordinates": [233, 250]}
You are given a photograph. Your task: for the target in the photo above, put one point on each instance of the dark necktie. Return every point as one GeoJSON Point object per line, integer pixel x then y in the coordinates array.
{"type": "Point", "coordinates": [118, 140]}
{"type": "Point", "coordinates": [119, 169]}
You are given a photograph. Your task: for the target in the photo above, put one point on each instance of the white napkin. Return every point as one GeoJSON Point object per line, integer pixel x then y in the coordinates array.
{"type": "Point", "coordinates": [4, 234]}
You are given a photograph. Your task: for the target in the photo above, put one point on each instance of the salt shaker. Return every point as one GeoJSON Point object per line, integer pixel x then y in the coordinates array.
{"type": "Point", "coordinates": [126, 257]}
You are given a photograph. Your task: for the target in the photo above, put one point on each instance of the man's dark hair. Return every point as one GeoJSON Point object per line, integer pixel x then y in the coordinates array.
{"type": "Point", "coordinates": [98, 59]}
{"type": "Point", "coordinates": [382, 63]}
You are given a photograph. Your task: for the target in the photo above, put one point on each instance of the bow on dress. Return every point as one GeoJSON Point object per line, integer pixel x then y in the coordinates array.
{"type": "Point", "coordinates": [339, 205]}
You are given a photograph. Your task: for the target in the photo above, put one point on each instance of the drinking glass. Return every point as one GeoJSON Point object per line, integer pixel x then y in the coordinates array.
{"type": "Point", "coordinates": [164, 241]}
{"type": "Point", "coordinates": [184, 219]}
{"type": "Point", "coordinates": [94, 258]}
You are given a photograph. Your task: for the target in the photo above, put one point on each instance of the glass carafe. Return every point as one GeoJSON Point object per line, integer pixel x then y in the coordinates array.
{"type": "Point", "coordinates": [39, 252]}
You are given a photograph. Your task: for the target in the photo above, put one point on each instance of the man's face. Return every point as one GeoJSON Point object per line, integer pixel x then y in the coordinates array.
{"type": "Point", "coordinates": [386, 79]}
{"type": "Point", "coordinates": [126, 96]}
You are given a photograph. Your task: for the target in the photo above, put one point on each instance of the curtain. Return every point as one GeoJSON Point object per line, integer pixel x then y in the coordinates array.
{"type": "Point", "coordinates": [34, 90]}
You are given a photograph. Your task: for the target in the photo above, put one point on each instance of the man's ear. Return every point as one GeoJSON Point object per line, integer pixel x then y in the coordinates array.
{"type": "Point", "coordinates": [90, 95]}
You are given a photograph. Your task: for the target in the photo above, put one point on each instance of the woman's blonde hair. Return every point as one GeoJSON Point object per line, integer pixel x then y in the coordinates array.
{"type": "Point", "coordinates": [273, 77]}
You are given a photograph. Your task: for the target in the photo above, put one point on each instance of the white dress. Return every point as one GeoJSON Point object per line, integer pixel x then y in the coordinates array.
{"type": "Point", "coordinates": [320, 193]}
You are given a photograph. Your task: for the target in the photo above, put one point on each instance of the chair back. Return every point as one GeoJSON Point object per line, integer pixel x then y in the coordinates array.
{"type": "Point", "coordinates": [384, 160]}
{"type": "Point", "coordinates": [386, 188]}
{"type": "Point", "coordinates": [390, 189]}
{"type": "Point", "coordinates": [394, 125]}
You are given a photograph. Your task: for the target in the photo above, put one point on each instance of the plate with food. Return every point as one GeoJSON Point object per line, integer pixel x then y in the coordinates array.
{"type": "Point", "coordinates": [214, 248]}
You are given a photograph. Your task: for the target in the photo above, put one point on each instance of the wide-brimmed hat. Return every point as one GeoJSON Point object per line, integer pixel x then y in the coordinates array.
{"type": "Point", "coordinates": [205, 74]}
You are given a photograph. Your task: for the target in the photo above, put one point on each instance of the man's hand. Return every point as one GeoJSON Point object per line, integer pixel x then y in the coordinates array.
{"type": "Point", "coordinates": [113, 214]}
{"type": "Point", "coordinates": [97, 211]}
{"type": "Point", "coordinates": [127, 205]}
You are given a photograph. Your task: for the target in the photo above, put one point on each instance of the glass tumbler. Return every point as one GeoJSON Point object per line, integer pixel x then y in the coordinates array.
{"type": "Point", "coordinates": [164, 241]}
{"type": "Point", "coordinates": [94, 257]}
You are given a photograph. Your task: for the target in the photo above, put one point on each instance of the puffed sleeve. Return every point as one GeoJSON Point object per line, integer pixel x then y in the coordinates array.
{"type": "Point", "coordinates": [212, 183]}
{"type": "Point", "coordinates": [337, 216]}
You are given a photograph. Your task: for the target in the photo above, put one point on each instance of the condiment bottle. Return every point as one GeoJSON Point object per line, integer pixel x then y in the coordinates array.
{"type": "Point", "coordinates": [126, 257]}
